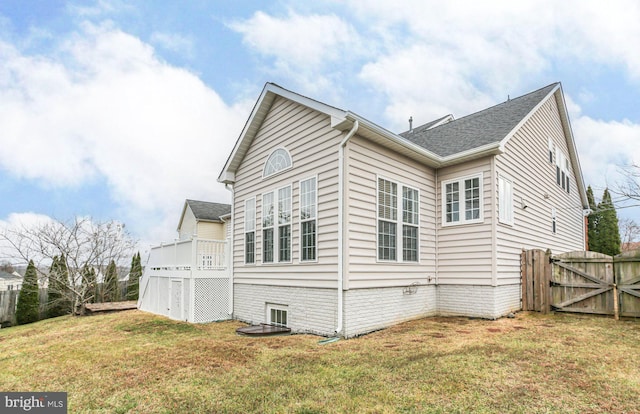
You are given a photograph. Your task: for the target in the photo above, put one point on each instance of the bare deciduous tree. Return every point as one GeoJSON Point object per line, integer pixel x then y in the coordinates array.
{"type": "Point", "coordinates": [629, 188]}
{"type": "Point", "coordinates": [629, 231]}
{"type": "Point", "coordinates": [84, 244]}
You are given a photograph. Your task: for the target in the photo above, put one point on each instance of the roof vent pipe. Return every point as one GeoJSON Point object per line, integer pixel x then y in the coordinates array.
{"type": "Point", "coordinates": [410, 124]}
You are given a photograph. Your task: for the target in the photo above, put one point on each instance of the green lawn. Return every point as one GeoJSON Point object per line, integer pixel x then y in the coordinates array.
{"type": "Point", "coordinates": [137, 362]}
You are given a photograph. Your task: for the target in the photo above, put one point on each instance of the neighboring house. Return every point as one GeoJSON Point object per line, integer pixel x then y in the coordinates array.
{"type": "Point", "coordinates": [343, 227]}
{"type": "Point", "coordinates": [629, 246]}
{"type": "Point", "coordinates": [204, 219]}
{"type": "Point", "coordinates": [10, 281]}
{"type": "Point", "coordinates": [189, 279]}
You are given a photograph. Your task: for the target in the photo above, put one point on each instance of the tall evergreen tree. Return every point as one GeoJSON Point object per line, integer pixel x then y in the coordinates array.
{"type": "Point", "coordinates": [89, 284]}
{"type": "Point", "coordinates": [27, 309]}
{"type": "Point", "coordinates": [58, 303]}
{"type": "Point", "coordinates": [607, 226]}
{"type": "Point", "coordinates": [135, 273]}
{"type": "Point", "coordinates": [592, 220]}
{"type": "Point", "coordinates": [110, 291]}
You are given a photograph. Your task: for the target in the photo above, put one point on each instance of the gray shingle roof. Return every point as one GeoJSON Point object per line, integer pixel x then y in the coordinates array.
{"type": "Point", "coordinates": [204, 210]}
{"type": "Point", "coordinates": [481, 128]}
{"type": "Point", "coordinates": [7, 275]}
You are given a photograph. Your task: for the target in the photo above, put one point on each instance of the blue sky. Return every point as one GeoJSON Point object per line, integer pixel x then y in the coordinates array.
{"type": "Point", "coordinates": [121, 110]}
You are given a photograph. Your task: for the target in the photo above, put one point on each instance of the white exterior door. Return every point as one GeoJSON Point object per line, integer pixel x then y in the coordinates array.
{"type": "Point", "coordinates": [175, 310]}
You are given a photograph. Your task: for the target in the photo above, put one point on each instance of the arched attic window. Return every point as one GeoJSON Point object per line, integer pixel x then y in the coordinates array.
{"type": "Point", "coordinates": [279, 160]}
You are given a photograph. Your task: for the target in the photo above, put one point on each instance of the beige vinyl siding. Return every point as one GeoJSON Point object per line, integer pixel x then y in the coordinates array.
{"type": "Point", "coordinates": [188, 227]}
{"type": "Point", "coordinates": [526, 161]}
{"type": "Point", "coordinates": [465, 251]}
{"type": "Point", "coordinates": [313, 145]}
{"type": "Point", "coordinates": [210, 230]}
{"type": "Point", "coordinates": [366, 162]}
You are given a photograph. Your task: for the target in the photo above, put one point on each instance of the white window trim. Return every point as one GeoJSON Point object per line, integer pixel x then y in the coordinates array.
{"type": "Point", "coordinates": [276, 227]}
{"type": "Point", "coordinates": [300, 220]}
{"type": "Point", "coordinates": [443, 200]}
{"type": "Point", "coordinates": [264, 168]}
{"type": "Point", "coordinates": [245, 231]}
{"type": "Point", "coordinates": [274, 306]}
{"type": "Point", "coordinates": [263, 227]}
{"type": "Point", "coordinates": [554, 221]}
{"type": "Point", "coordinates": [399, 222]}
{"type": "Point", "coordinates": [502, 219]}
{"type": "Point", "coordinates": [550, 154]}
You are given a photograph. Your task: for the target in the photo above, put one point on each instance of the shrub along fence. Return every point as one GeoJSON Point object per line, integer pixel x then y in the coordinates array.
{"type": "Point", "coordinates": [9, 301]}
{"type": "Point", "coordinates": [582, 281]}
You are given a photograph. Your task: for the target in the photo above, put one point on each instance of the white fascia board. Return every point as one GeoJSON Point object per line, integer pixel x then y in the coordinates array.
{"type": "Point", "coordinates": [269, 92]}
{"type": "Point", "coordinates": [573, 151]}
{"type": "Point", "coordinates": [489, 149]}
{"type": "Point", "coordinates": [506, 139]}
{"type": "Point", "coordinates": [184, 210]}
{"type": "Point", "coordinates": [397, 139]}
{"type": "Point", "coordinates": [227, 177]}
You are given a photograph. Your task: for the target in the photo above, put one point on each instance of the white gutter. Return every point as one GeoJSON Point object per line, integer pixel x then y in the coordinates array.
{"type": "Point", "coordinates": [230, 247]}
{"type": "Point", "coordinates": [355, 127]}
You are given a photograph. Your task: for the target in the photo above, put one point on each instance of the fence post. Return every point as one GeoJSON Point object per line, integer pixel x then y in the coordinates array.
{"type": "Point", "coordinates": [546, 281]}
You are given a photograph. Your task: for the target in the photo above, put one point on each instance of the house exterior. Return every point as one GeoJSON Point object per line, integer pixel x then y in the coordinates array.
{"type": "Point", "coordinates": [204, 219]}
{"type": "Point", "coordinates": [189, 279]}
{"type": "Point", "coordinates": [10, 281]}
{"type": "Point", "coordinates": [343, 227]}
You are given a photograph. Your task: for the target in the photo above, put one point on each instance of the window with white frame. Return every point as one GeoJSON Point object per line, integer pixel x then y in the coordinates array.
{"type": "Point", "coordinates": [250, 231]}
{"type": "Point", "coordinates": [505, 200]}
{"type": "Point", "coordinates": [308, 212]}
{"type": "Point", "coordinates": [284, 224]}
{"type": "Point", "coordinates": [462, 201]}
{"type": "Point", "coordinates": [277, 315]}
{"type": "Point", "coordinates": [268, 223]}
{"type": "Point", "coordinates": [553, 220]}
{"type": "Point", "coordinates": [279, 160]}
{"type": "Point", "coordinates": [562, 171]}
{"type": "Point", "coordinates": [551, 150]}
{"type": "Point", "coordinates": [389, 221]}
{"type": "Point", "coordinates": [276, 226]}
{"type": "Point", "coordinates": [566, 173]}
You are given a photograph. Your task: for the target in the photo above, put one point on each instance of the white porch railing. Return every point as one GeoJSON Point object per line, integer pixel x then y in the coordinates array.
{"type": "Point", "coordinates": [195, 254]}
{"type": "Point", "coordinates": [188, 280]}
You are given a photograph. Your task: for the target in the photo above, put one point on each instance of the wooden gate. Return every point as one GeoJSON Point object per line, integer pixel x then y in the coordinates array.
{"type": "Point", "coordinates": [627, 271]}
{"type": "Point", "coordinates": [584, 282]}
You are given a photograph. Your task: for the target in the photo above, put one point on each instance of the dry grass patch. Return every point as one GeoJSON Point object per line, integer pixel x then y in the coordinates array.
{"type": "Point", "coordinates": [136, 362]}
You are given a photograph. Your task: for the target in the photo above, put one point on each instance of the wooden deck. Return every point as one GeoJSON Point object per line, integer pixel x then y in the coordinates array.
{"type": "Point", "coordinates": [111, 306]}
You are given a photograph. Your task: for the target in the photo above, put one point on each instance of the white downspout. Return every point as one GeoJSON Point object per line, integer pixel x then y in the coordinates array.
{"type": "Point", "coordinates": [230, 247]}
{"type": "Point", "coordinates": [356, 124]}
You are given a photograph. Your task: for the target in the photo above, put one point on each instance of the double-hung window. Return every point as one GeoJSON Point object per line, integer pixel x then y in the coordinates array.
{"type": "Point", "coordinates": [250, 231]}
{"type": "Point", "coordinates": [308, 213]}
{"type": "Point", "coordinates": [276, 226]}
{"type": "Point", "coordinates": [284, 224]}
{"type": "Point", "coordinates": [397, 212]}
{"type": "Point", "coordinates": [462, 201]}
{"type": "Point", "coordinates": [562, 170]}
{"type": "Point", "coordinates": [268, 222]}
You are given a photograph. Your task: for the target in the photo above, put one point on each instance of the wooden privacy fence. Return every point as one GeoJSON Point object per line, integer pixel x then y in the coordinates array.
{"type": "Point", "coordinates": [584, 282]}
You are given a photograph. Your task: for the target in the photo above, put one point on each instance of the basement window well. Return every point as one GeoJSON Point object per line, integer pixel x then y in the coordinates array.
{"type": "Point", "coordinates": [277, 315]}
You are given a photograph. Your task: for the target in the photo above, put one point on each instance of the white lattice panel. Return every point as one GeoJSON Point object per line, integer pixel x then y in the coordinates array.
{"type": "Point", "coordinates": [211, 300]}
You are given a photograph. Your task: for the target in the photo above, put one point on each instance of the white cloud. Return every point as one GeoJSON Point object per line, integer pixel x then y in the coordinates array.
{"type": "Point", "coordinates": [105, 106]}
{"type": "Point", "coordinates": [173, 42]}
{"type": "Point", "coordinates": [307, 49]}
